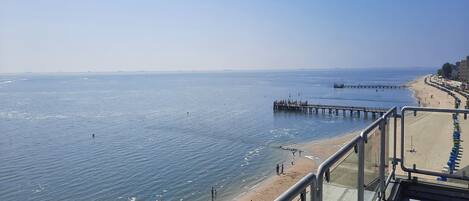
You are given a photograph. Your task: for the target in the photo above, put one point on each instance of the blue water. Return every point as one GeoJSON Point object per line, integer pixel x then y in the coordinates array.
{"type": "Point", "coordinates": [166, 136]}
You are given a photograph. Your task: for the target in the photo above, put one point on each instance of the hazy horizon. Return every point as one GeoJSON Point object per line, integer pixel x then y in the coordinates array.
{"type": "Point", "coordinates": [112, 36]}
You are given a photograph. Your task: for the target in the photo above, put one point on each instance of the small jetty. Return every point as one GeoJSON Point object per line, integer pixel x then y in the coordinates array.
{"type": "Point", "coordinates": [305, 107]}
{"type": "Point", "coordinates": [374, 86]}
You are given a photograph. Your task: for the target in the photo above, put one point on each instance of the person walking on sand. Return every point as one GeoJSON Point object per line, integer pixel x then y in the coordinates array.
{"type": "Point", "coordinates": [213, 193]}
{"type": "Point", "coordinates": [278, 169]}
{"type": "Point", "coordinates": [282, 169]}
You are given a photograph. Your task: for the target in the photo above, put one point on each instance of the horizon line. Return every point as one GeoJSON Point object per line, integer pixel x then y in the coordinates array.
{"type": "Point", "coordinates": [205, 70]}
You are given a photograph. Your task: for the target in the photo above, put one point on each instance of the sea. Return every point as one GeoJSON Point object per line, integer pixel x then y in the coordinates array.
{"type": "Point", "coordinates": [169, 135]}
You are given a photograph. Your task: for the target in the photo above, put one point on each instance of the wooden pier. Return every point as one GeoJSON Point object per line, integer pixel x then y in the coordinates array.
{"type": "Point", "coordinates": [305, 107]}
{"type": "Point", "coordinates": [340, 86]}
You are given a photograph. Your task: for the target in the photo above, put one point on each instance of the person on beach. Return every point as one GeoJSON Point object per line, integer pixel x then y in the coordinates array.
{"type": "Point", "coordinates": [278, 169]}
{"type": "Point", "coordinates": [282, 168]}
{"type": "Point", "coordinates": [92, 135]}
{"type": "Point", "coordinates": [299, 152]}
{"type": "Point", "coordinates": [214, 193]}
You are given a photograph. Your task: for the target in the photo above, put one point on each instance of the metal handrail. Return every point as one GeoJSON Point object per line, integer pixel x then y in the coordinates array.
{"type": "Point", "coordinates": [359, 142]}
{"type": "Point", "coordinates": [423, 171]}
{"type": "Point", "coordinates": [332, 160]}
{"type": "Point", "coordinates": [300, 188]}
{"type": "Point", "coordinates": [316, 181]}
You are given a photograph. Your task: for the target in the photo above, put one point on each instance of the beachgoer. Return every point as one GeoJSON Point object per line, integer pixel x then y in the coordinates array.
{"type": "Point", "coordinates": [299, 152]}
{"type": "Point", "coordinates": [278, 167]}
{"type": "Point", "coordinates": [213, 193]}
{"type": "Point", "coordinates": [92, 135]}
{"type": "Point", "coordinates": [292, 163]}
{"type": "Point", "coordinates": [282, 168]}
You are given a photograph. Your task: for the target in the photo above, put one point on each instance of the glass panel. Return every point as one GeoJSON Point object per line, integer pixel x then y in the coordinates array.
{"type": "Point", "coordinates": [372, 152]}
{"type": "Point", "coordinates": [342, 184]}
{"type": "Point", "coordinates": [436, 141]}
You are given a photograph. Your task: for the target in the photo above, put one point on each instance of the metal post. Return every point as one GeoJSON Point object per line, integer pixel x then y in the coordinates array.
{"type": "Point", "coordinates": [361, 169]}
{"type": "Point", "coordinates": [395, 146]}
{"type": "Point", "coordinates": [313, 189]}
{"type": "Point", "coordinates": [303, 195]}
{"type": "Point", "coordinates": [382, 157]}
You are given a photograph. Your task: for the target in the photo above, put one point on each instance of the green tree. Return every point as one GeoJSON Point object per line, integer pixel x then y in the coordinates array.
{"type": "Point", "coordinates": [447, 68]}
{"type": "Point", "coordinates": [439, 72]}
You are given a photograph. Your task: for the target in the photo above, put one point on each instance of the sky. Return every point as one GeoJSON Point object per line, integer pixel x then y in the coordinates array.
{"type": "Point", "coordinates": [140, 35]}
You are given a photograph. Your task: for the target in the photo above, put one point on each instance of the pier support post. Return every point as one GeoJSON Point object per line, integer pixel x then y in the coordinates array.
{"type": "Point", "coordinates": [358, 113]}
{"type": "Point", "coordinates": [351, 113]}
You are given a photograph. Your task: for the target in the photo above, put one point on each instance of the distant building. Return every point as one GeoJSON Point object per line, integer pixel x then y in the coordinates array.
{"type": "Point", "coordinates": [464, 70]}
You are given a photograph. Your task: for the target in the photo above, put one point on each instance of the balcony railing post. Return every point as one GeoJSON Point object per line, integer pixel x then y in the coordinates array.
{"type": "Point", "coordinates": [361, 168]}
{"type": "Point", "coordinates": [382, 157]}
{"type": "Point", "coordinates": [395, 145]}
{"type": "Point", "coordinates": [303, 195]}
{"type": "Point", "coordinates": [313, 189]}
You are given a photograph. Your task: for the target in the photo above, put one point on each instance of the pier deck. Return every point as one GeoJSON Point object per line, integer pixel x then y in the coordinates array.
{"type": "Point", "coordinates": [377, 86]}
{"type": "Point", "coordinates": [299, 106]}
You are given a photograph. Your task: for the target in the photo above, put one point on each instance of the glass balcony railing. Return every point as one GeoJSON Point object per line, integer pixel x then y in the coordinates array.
{"type": "Point", "coordinates": [430, 146]}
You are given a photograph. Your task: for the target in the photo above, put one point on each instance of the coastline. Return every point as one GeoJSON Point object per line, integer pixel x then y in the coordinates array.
{"type": "Point", "coordinates": [316, 151]}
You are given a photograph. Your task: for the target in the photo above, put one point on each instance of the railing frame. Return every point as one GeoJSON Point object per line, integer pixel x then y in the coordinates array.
{"type": "Point", "coordinates": [424, 171]}
{"type": "Point", "coordinates": [316, 182]}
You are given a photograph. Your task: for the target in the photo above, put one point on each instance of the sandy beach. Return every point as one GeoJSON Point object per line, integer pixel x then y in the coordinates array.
{"type": "Point", "coordinates": [428, 135]}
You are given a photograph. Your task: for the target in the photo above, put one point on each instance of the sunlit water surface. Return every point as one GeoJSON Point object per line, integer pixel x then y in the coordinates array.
{"type": "Point", "coordinates": [166, 136]}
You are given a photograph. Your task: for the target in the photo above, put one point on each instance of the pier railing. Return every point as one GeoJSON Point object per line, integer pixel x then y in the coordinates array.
{"type": "Point", "coordinates": [308, 108]}
{"type": "Point", "coordinates": [359, 170]}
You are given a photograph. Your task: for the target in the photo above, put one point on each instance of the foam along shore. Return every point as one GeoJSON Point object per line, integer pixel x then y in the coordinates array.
{"type": "Point", "coordinates": [427, 135]}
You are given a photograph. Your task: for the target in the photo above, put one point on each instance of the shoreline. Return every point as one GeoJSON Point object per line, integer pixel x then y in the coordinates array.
{"type": "Point", "coordinates": [315, 152]}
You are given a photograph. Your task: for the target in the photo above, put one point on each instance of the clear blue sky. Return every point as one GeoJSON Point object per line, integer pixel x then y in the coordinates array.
{"type": "Point", "coordinates": [111, 35]}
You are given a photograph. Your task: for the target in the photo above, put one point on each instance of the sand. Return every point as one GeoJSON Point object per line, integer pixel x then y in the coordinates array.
{"type": "Point", "coordinates": [430, 134]}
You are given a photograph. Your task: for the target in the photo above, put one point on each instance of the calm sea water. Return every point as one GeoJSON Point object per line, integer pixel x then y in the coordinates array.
{"type": "Point", "coordinates": [166, 136]}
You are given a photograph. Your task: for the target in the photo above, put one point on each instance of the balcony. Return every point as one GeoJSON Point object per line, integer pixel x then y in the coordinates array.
{"type": "Point", "coordinates": [411, 154]}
